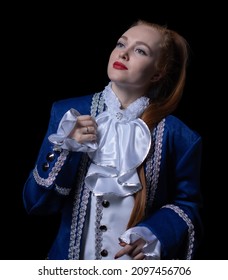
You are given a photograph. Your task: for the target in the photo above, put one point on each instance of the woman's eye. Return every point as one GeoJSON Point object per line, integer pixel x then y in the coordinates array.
{"type": "Point", "coordinates": [140, 51]}
{"type": "Point", "coordinates": [119, 45]}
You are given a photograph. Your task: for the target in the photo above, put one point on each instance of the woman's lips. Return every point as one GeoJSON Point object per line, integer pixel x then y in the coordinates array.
{"type": "Point", "coordinates": [119, 66]}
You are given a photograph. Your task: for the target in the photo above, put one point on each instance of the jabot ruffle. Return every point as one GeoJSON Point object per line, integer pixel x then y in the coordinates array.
{"type": "Point", "coordinates": [124, 142]}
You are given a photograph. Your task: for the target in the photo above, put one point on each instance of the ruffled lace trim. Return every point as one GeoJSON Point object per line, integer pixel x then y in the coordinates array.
{"type": "Point", "coordinates": [152, 248]}
{"type": "Point", "coordinates": [61, 139]}
{"type": "Point", "coordinates": [133, 111]}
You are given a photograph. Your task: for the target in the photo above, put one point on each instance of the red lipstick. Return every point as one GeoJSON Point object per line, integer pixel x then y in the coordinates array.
{"type": "Point", "coordinates": [119, 66]}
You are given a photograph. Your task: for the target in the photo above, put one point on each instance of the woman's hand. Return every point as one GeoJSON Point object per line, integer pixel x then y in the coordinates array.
{"type": "Point", "coordinates": [85, 129]}
{"type": "Point", "coordinates": [133, 250]}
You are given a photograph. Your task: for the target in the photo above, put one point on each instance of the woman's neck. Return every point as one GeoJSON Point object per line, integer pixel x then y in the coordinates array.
{"type": "Point", "coordinates": [126, 94]}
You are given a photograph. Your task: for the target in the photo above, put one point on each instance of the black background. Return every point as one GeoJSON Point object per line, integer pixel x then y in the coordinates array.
{"type": "Point", "coordinates": [55, 52]}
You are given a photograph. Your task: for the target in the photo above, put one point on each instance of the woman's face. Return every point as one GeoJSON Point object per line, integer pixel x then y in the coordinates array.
{"type": "Point", "coordinates": [133, 60]}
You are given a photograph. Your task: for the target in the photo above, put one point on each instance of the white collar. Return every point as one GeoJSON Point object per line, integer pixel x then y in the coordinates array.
{"type": "Point", "coordinates": [133, 111]}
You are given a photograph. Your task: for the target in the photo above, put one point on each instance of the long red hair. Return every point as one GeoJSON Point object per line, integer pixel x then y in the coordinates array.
{"type": "Point", "coordinates": [164, 95]}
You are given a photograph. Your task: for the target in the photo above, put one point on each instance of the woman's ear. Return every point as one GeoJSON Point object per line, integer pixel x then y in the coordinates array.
{"type": "Point", "coordinates": [156, 77]}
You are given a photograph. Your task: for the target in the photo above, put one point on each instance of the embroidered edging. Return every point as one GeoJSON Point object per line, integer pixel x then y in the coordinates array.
{"type": "Point", "coordinates": [54, 172]}
{"type": "Point", "coordinates": [191, 231]}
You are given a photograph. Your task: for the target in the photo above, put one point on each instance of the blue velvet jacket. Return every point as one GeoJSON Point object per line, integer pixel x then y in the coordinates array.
{"type": "Point", "coordinates": [173, 185]}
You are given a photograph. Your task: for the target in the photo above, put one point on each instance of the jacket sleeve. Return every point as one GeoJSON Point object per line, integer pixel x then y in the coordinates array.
{"type": "Point", "coordinates": [51, 180]}
{"type": "Point", "coordinates": [177, 223]}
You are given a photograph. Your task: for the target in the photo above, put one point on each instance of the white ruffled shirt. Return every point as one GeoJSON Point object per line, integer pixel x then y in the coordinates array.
{"type": "Point", "coordinates": [123, 144]}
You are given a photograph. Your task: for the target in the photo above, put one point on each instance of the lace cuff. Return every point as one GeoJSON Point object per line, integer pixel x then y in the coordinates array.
{"type": "Point", "coordinates": [152, 248]}
{"type": "Point", "coordinates": [61, 138]}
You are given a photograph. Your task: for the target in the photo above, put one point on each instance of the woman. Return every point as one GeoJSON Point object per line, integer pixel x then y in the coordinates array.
{"type": "Point", "coordinates": [123, 171]}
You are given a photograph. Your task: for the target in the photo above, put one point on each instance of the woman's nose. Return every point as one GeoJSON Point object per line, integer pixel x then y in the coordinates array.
{"type": "Point", "coordinates": [123, 54]}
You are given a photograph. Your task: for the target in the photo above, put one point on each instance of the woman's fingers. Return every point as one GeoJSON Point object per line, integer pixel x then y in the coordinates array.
{"type": "Point", "coordinates": [85, 129]}
{"type": "Point", "coordinates": [134, 250]}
